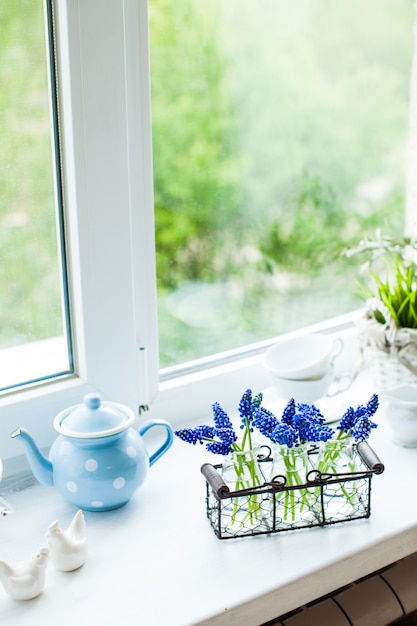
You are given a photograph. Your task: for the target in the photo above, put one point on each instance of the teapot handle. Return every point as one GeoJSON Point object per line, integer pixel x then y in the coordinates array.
{"type": "Point", "coordinates": [165, 445]}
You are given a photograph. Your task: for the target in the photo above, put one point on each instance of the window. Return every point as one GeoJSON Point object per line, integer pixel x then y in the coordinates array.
{"type": "Point", "coordinates": [105, 141]}
{"type": "Point", "coordinates": [35, 341]}
{"type": "Point", "coordinates": [105, 123]}
{"type": "Point", "coordinates": [279, 131]}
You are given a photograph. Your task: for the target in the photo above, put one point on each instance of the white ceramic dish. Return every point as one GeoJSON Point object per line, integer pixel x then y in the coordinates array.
{"type": "Point", "coordinates": [302, 358]}
{"type": "Point", "coordinates": [308, 391]}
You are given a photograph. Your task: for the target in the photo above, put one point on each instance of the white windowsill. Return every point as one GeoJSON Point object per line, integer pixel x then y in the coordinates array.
{"type": "Point", "coordinates": [159, 562]}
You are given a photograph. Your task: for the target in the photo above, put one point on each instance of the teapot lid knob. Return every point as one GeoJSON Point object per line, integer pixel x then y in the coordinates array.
{"type": "Point", "coordinates": [92, 401]}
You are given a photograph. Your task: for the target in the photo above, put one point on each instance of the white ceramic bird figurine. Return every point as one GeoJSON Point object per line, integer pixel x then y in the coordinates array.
{"type": "Point", "coordinates": [5, 507]}
{"type": "Point", "coordinates": [68, 547]}
{"type": "Point", "coordinates": [24, 581]}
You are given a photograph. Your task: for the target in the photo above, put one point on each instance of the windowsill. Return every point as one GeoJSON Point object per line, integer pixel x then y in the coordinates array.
{"type": "Point", "coordinates": [160, 563]}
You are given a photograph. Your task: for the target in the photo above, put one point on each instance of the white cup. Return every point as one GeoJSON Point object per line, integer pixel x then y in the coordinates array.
{"type": "Point", "coordinates": [310, 390]}
{"type": "Point", "coordinates": [400, 406]}
{"type": "Point", "coordinates": [306, 357]}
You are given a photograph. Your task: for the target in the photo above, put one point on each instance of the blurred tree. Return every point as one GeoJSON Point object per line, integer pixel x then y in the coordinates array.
{"type": "Point", "coordinates": [30, 279]}
{"type": "Point", "coordinates": [196, 193]}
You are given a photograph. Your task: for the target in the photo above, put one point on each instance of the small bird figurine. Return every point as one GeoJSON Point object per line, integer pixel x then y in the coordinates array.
{"type": "Point", "coordinates": [68, 547]}
{"type": "Point", "coordinates": [24, 581]}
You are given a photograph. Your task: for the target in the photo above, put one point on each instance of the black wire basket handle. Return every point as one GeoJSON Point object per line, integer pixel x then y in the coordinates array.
{"type": "Point", "coordinates": [369, 457]}
{"type": "Point", "coordinates": [215, 481]}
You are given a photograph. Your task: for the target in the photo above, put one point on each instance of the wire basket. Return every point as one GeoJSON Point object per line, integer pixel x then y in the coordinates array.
{"type": "Point", "coordinates": [323, 499]}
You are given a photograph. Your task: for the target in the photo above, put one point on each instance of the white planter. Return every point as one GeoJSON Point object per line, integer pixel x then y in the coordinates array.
{"type": "Point", "coordinates": [391, 352]}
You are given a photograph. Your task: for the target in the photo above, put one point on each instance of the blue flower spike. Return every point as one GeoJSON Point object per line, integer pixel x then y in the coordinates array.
{"type": "Point", "coordinates": [221, 438]}
{"type": "Point", "coordinates": [265, 421]}
{"type": "Point", "coordinates": [300, 423]}
{"type": "Point", "coordinates": [220, 417]}
{"type": "Point", "coordinates": [357, 423]}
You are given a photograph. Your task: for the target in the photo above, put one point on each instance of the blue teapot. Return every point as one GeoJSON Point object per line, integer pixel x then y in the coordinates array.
{"type": "Point", "coordinates": [98, 461]}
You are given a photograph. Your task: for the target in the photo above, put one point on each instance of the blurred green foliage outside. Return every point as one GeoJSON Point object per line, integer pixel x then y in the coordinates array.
{"type": "Point", "coordinates": [30, 279]}
{"type": "Point", "coordinates": [279, 131]}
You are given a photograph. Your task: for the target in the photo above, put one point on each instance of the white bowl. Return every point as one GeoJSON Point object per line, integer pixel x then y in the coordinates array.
{"type": "Point", "coordinates": [304, 357]}
{"type": "Point", "coordinates": [305, 391]}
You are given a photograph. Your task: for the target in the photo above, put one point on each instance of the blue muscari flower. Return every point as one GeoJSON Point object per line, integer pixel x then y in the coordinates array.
{"type": "Point", "coordinates": [301, 426]}
{"type": "Point", "coordinates": [357, 422]}
{"type": "Point", "coordinates": [219, 447]}
{"type": "Point", "coordinates": [257, 401]}
{"type": "Point", "coordinates": [226, 434]}
{"type": "Point", "coordinates": [220, 417]}
{"type": "Point", "coordinates": [205, 432]}
{"type": "Point", "coordinates": [218, 440]}
{"type": "Point", "coordinates": [362, 428]}
{"type": "Point", "coordinates": [312, 411]}
{"type": "Point", "coordinates": [190, 435]}
{"type": "Point", "coordinates": [245, 405]}
{"type": "Point", "coordinates": [289, 412]}
{"type": "Point", "coordinates": [319, 432]}
{"type": "Point", "coordinates": [264, 421]}
{"type": "Point", "coordinates": [306, 419]}
{"type": "Point", "coordinates": [221, 438]}
{"type": "Point", "coordinates": [360, 412]}
{"type": "Point", "coordinates": [373, 404]}
{"type": "Point", "coordinates": [348, 419]}
{"type": "Point", "coordinates": [285, 434]}
{"type": "Point", "coordinates": [246, 408]}
{"type": "Point", "coordinates": [300, 423]}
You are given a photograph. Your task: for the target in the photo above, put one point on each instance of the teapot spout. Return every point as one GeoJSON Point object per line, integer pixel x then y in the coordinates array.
{"type": "Point", "coordinates": [40, 465]}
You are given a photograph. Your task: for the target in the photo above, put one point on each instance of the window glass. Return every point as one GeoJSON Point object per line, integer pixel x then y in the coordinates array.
{"type": "Point", "coordinates": [34, 336]}
{"type": "Point", "coordinates": [279, 131]}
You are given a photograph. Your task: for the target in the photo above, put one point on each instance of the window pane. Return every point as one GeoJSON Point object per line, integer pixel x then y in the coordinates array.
{"type": "Point", "coordinates": [33, 321]}
{"type": "Point", "coordinates": [279, 132]}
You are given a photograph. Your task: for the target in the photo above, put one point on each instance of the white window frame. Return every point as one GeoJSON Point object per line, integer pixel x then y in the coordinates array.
{"type": "Point", "coordinates": [103, 75]}
{"type": "Point", "coordinates": [105, 107]}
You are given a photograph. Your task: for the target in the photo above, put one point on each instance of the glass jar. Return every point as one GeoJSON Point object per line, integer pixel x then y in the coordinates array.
{"type": "Point", "coordinates": [337, 463]}
{"type": "Point", "coordinates": [242, 512]}
{"type": "Point", "coordinates": [294, 504]}
{"type": "Point", "coordinates": [337, 456]}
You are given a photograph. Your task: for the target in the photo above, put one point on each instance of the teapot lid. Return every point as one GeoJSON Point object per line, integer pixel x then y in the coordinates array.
{"type": "Point", "coordinates": [93, 418]}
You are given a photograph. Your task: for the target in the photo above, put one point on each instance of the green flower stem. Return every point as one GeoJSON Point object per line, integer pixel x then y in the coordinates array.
{"type": "Point", "coordinates": [329, 463]}
{"type": "Point", "coordinates": [293, 478]}
{"type": "Point", "coordinates": [241, 482]}
{"type": "Point", "coordinates": [240, 465]}
{"type": "Point", "coordinates": [246, 435]}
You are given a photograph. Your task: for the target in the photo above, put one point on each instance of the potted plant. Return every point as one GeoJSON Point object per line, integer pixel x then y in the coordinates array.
{"type": "Point", "coordinates": [388, 328]}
